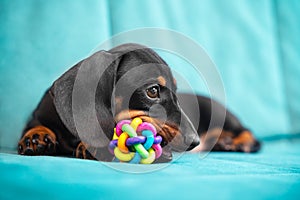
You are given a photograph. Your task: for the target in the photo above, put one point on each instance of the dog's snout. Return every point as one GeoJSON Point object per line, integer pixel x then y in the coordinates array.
{"type": "Point", "coordinates": [191, 138]}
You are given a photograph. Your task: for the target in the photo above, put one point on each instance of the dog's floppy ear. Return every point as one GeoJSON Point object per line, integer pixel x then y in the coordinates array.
{"type": "Point", "coordinates": [82, 97]}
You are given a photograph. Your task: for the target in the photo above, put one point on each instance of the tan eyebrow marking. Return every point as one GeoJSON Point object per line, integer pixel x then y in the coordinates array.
{"type": "Point", "coordinates": [162, 81]}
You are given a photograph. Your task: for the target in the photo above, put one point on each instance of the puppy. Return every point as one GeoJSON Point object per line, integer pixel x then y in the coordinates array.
{"type": "Point", "coordinates": [78, 113]}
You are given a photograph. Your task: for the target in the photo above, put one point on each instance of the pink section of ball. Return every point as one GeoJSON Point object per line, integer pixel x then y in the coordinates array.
{"type": "Point", "coordinates": [119, 126]}
{"type": "Point", "coordinates": [146, 126]}
{"type": "Point", "coordinates": [158, 150]}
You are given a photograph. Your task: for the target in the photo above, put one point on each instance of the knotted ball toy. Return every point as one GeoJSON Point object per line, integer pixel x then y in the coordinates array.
{"type": "Point", "coordinates": [135, 142]}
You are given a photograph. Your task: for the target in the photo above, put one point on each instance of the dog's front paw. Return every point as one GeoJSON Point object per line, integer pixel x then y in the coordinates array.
{"type": "Point", "coordinates": [37, 141]}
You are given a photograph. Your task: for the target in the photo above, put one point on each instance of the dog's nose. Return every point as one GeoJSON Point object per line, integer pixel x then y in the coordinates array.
{"type": "Point", "coordinates": [195, 142]}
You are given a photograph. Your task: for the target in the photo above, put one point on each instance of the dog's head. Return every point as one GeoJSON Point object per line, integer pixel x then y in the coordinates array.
{"type": "Point", "coordinates": [134, 82]}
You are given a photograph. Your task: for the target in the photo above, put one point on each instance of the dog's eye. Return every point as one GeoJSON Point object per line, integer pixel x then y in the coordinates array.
{"type": "Point", "coordinates": [153, 92]}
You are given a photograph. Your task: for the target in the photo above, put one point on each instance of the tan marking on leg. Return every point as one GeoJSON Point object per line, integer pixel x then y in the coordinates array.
{"type": "Point", "coordinates": [220, 140]}
{"type": "Point", "coordinates": [40, 130]}
{"type": "Point", "coordinates": [246, 139]}
{"type": "Point", "coordinates": [84, 151]}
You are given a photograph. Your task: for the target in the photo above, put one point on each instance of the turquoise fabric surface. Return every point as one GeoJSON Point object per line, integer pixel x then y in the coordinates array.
{"type": "Point", "coordinates": [274, 173]}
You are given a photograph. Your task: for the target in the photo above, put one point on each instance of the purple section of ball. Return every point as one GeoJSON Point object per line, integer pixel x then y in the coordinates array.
{"type": "Point", "coordinates": [135, 140]}
{"type": "Point", "coordinates": [112, 145]}
{"type": "Point", "coordinates": [157, 139]}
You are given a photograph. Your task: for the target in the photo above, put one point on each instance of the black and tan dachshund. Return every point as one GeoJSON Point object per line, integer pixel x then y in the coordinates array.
{"type": "Point", "coordinates": [125, 82]}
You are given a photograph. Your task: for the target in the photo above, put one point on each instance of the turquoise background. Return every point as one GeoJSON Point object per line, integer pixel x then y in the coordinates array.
{"type": "Point", "coordinates": [255, 46]}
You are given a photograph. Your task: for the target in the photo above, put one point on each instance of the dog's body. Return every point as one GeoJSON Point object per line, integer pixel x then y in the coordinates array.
{"type": "Point", "coordinates": [134, 82]}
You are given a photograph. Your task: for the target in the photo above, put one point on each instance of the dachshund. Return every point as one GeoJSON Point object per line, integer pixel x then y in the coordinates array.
{"type": "Point", "coordinates": [77, 114]}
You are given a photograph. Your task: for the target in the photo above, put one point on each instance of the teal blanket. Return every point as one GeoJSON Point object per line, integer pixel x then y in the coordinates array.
{"type": "Point", "coordinates": [274, 173]}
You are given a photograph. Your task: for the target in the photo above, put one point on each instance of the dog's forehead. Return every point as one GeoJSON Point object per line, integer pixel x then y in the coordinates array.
{"type": "Point", "coordinates": [140, 65]}
{"type": "Point", "coordinates": [150, 73]}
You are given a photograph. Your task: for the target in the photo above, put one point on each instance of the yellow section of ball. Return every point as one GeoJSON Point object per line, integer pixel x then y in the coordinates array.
{"type": "Point", "coordinates": [150, 158]}
{"type": "Point", "coordinates": [136, 122]}
{"type": "Point", "coordinates": [122, 142]}
{"type": "Point", "coordinates": [123, 156]}
{"type": "Point", "coordinates": [115, 137]}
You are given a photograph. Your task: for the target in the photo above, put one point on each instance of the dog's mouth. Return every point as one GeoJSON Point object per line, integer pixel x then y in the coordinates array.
{"type": "Point", "coordinates": [167, 130]}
